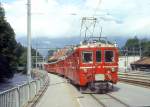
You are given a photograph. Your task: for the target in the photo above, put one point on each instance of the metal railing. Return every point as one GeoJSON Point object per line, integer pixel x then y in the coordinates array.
{"type": "Point", "coordinates": [23, 94]}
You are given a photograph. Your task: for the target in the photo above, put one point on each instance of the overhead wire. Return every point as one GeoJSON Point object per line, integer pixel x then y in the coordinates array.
{"type": "Point", "coordinates": [98, 4]}
{"type": "Point", "coordinates": [95, 11]}
{"type": "Point", "coordinates": [93, 23]}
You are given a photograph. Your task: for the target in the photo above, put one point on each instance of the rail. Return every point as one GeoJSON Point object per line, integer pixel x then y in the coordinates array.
{"type": "Point", "coordinates": [24, 94]}
{"type": "Point", "coordinates": [136, 79]}
{"type": "Point", "coordinates": [110, 98]}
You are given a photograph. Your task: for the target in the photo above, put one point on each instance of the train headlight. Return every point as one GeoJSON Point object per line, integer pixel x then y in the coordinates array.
{"type": "Point", "coordinates": [113, 69]}
{"type": "Point", "coordinates": [108, 72]}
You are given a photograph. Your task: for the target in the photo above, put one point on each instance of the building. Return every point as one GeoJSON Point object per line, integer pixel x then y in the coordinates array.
{"type": "Point", "coordinates": [141, 64]}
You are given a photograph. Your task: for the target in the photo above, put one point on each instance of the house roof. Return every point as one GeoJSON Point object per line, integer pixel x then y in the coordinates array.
{"type": "Point", "coordinates": [143, 61]}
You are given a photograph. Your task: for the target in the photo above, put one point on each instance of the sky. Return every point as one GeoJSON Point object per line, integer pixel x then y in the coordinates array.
{"type": "Point", "coordinates": [62, 18]}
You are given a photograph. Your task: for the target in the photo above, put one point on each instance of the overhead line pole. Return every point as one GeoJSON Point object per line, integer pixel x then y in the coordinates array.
{"type": "Point", "coordinates": [36, 57]}
{"type": "Point", "coordinates": [29, 39]}
{"type": "Point", "coordinates": [140, 49]}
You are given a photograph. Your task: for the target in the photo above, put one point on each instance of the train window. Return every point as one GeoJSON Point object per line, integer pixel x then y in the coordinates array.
{"type": "Point", "coordinates": [98, 56]}
{"type": "Point", "coordinates": [87, 57]}
{"type": "Point", "coordinates": [109, 56]}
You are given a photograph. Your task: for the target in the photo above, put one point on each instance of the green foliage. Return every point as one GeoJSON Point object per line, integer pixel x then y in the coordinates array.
{"type": "Point", "coordinates": [50, 52]}
{"type": "Point", "coordinates": [12, 54]}
{"type": "Point", "coordinates": [132, 43]}
{"type": "Point", "coordinates": [2, 13]}
{"type": "Point", "coordinates": [21, 54]}
{"type": "Point", "coordinates": [133, 46]}
{"type": "Point", "coordinates": [7, 46]}
{"type": "Point", "coordinates": [145, 45]}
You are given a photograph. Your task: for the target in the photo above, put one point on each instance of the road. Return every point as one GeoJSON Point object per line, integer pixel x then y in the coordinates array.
{"type": "Point", "coordinates": [62, 94]}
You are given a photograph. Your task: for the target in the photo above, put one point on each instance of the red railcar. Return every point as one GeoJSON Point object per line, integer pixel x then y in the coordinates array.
{"type": "Point", "coordinates": [87, 65]}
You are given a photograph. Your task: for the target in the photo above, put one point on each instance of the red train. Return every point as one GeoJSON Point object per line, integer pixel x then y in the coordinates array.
{"type": "Point", "coordinates": [91, 65]}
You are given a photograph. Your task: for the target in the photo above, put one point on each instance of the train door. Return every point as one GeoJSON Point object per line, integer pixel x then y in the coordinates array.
{"type": "Point", "coordinates": [111, 64]}
{"type": "Point", "coordinates": [98, 65]}
{"type": "Point", "coordinates": [86, 64]}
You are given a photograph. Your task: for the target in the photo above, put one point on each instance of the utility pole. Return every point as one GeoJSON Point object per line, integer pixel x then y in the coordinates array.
{"type": "Point", "coordinates": [36, 58]}
{"type": "Point", "coordinates": [140, 49]}
{"type": "Point", "coordinates": [29, 39]}
{"type": "Point", "coordinates": [126, 59]}
{"type": "Point", "coordinates": [125, 63]}
{"type": "Point", "coordinates": [36, 53]}
{"type": "Point", "coordinates": [134, 53]}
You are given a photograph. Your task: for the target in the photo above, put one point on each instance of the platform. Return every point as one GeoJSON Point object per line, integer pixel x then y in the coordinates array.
{"type": "Point", "coordinates": [58, 94]}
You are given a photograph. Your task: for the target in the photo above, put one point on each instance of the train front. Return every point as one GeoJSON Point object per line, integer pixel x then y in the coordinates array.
{"type": "Point", "coordinates": [98, 66]}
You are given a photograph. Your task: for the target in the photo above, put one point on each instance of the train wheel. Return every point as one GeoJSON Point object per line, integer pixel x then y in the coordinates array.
{"type": "Point", "coordinates": [68, 81]}
{"type": "Point", "coordinates": [112, 86]}
{"type": "Point", "coordinates": [91, 86]}
{"type": "Point", "coordinates": [83, 89]}
{"type": "Point", "coordinates": [104, 91]}
{"type": "Point", "coordinates": [107, 87]}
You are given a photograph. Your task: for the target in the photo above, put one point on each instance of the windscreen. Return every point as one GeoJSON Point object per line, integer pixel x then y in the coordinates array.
{"type": "Point", "coordinates": [98, 56]}
{"type": "Point", "coordinates": [87, 57]}
{"type": "Point", "coordinates": [109, 56]}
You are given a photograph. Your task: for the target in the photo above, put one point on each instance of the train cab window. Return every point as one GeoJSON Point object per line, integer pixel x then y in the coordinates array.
{"type": "Point", "coordinates": [109, 56]}
{"type": "Point", "coordinates": [98, 56]}
{"type": "Point", "coordinates": [87, 57]}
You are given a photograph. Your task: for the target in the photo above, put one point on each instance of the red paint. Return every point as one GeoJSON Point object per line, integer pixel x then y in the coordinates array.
{"type": "Point", "coordinates": [71, 66]}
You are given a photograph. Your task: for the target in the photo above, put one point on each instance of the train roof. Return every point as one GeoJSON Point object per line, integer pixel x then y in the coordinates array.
{"type": "Point", "coordinates": [93, 42]}
{"type": "Point", "coordinates": [98, 44]}
{"type": "Point", "coordinates": [61, 54]}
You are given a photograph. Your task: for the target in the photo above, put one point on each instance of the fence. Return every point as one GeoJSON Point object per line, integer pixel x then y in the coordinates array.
{"type": "Point", "coordinates": [20, 96]}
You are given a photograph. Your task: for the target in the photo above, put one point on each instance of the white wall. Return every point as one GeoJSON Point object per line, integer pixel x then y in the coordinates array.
{"type": "Point", "coordinates": [127, 61]}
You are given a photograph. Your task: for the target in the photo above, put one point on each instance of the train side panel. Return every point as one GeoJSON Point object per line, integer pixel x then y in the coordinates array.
{"type": "Point", "coordinates": [72, 67]}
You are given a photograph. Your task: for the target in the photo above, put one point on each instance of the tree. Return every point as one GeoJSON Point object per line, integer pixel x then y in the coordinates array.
{"type": "Point", "coordinates": [145, 45]}
{"type": "Point", "coordinates": [21, 53]}
{"type": "Point", "coordinates": [5, 71]}
{"type": "Point", "coordinates": [7, 47]}
{"type": "Point", "coordinates": [133, 45]}
{"type": "Point", "coordinates": [12, 54]}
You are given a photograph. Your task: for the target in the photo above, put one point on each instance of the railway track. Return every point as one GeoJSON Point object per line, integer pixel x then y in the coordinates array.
{"type": "Point", "coordinates": [135, 75]}
{"type": "Point", "coordinates": [137, 79]}
{"type": "Point", "coordinates": [108, 100]}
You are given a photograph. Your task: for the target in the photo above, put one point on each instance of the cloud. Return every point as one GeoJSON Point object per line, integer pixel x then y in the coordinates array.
{"type": "Point", "coordinates": [55, 18]}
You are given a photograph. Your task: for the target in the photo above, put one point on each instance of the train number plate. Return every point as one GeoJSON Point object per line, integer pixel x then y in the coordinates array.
{"type": "Point", "coordinates": [99, 77]}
